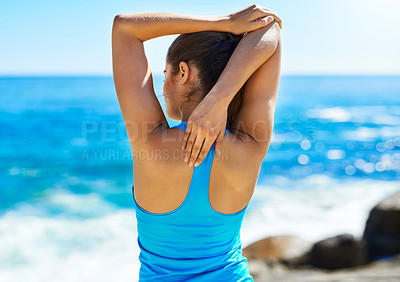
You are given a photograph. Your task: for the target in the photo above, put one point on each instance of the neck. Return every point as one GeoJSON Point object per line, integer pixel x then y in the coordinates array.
{"type": "Point", "coordinates": [186, 112]}
{"type": "Point", "coordinates": [188, 107]}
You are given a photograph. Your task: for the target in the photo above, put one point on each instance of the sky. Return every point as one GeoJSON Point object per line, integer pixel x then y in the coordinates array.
{"type": "Point", "coordinates": [44, 37]}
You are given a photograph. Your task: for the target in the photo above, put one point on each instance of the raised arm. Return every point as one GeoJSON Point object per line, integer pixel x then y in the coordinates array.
{"type": "Point", "coordinates": [256, 62]}
{"type": "Point", "coordinates": [140, 108]}
{"type": "Point", "coordinates": [133, 80]}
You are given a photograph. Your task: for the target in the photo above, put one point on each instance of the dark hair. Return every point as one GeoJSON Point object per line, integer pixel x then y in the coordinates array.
{"type": "Point", "coordinates": [209, 51]}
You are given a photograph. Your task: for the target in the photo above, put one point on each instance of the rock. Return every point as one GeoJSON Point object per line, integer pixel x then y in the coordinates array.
{"type": "Point", "coordinates": [341, 251]}
{"type": "Point", "coordinates": [264, 271]}
{"type": "Point", "coordinates": [382, 229]}
{"type": "Point", "coordinates": [258, 268]}
{"type": "Point", "coordinates": [290, 250]}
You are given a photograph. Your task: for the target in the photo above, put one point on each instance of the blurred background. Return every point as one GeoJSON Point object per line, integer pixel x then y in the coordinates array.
{"type": "Point", "coordinates": [66, 208]}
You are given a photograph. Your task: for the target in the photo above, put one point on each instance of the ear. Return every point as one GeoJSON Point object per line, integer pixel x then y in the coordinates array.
{"type": "Point", "coordinates": [183, 75]}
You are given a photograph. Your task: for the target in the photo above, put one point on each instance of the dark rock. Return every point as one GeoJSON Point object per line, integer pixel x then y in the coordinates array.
{"type": "Point", "coordinates": [261, 270]}
{"type": "Point", "coordinates": [341, 251]}
{"type": "Point", "coordinates": [286, 249]}
{"type": "Point", "coordinates": [382, 230]}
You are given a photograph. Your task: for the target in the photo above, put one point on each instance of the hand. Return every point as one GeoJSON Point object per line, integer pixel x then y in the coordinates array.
{"type": "Point", "coordinates": [206, 124]}
{"type": "Point", "coordinates": [251, 18]}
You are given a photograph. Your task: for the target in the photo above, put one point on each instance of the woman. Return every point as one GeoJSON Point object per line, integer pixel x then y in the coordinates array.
{"type": "Point", "coordinates": [220, 85]}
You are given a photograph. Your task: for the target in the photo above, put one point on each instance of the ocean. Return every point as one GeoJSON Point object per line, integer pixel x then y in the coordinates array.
{"type": "Point", "coordinates": [66, 207]}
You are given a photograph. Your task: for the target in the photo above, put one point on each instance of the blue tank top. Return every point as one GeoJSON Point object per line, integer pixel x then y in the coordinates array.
{"type": "Point", "coordinates": [194, 242]}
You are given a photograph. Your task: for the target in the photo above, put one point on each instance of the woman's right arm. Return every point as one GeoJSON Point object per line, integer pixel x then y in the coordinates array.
{"type": "Point", "coordinates": [255, 63]}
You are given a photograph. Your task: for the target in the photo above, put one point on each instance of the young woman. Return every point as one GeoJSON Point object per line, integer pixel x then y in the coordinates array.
{"type": "Point", "coordinates": [221, 82]}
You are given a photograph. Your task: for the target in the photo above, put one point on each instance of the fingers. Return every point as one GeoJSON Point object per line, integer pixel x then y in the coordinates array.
{"type": "Point", "coordinates": [276, 17]}
{"type": "Point", "coordinates": [267, 20]}
{"type": "Point", "coordinates": [186, 136]}
{"type": "Point", "coordinates": [262, 22]}
{"type": "Point", "coordinates": [189, 145]}
{"type": "Point", "coordinates": [197, 145]}
{"type": "Point", "coordinates": [204, 151]}
{"type": "Point", "coordinates": [218, 143]}
{"type": "Point", "coordinates": [258, 13]}
{"type": "Point", "coordinates": [261, 12]}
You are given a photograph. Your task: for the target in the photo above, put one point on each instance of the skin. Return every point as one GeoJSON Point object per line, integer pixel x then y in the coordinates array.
{"type": "Point", "coordinates": [161, 176]}
{"type": "Point", "coordinates": [175, 91]}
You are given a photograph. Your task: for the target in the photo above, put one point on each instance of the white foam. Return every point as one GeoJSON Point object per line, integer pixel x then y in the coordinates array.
{"type": "Point", "coordinates": [61, 201]}
{"type": "Point", "coordinates": [379, 115]}
{"type": "Point", "coordinates": [385, 120]}
{"type": "Point", "coordinates": [23, 172]}
{"type": "Point", "coordinates": [389, 132]}
{"type": "Point", "coordinates": [55, 249]}
{"type": "Point", "coordinates": [336, 114]}
{"type": "Point", "coordinates": [313, 208]}
{"type": "Point", "coordinates": [362, 133]}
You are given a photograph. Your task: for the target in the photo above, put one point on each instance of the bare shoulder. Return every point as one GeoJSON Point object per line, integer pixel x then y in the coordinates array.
{"type": "Point", "coordinates": [158, 162]}
{"type": "Point", "coordinates": [238, 146]}
{"type": "Point", "coordinates": [240, 160]}
{"type": "Point", "coordinates": [161, 146]}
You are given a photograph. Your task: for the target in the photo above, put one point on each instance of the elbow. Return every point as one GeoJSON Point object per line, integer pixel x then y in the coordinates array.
{"type": "Point", "coordinates": [121, 26]}
{"type": "Point", "coordinates": [266, 39]}
{"type": "Point", "coordinates": [115, 24]}
{"type": "Point", "coordinates": [117, 21]}
{"type": "Point", "coordinates": [272, 37]}
{"type": "Point", "coordinates": [119, 18]}
{"type": "Point", "coordinates": [120, 21]}
{"type": "Point", "coordinates": [276, 35]}
{"type": "Point", "coordinates": [125, 24]}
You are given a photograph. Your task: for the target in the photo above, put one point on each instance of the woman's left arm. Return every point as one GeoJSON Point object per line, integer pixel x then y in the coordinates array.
{"type": "Point", "coordinates": [133, 81]}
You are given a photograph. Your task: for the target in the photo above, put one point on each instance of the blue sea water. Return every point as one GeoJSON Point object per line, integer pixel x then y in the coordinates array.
{"type": "Point", "coordinates": [66, 170]}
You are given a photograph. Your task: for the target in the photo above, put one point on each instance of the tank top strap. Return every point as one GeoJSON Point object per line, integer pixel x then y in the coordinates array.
{"type": "Point", "coordinates": [199, 186]}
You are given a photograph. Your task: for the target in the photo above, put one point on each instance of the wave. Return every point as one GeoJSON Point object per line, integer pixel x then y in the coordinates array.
{"type": "Point", "coordinates": [42, 247]}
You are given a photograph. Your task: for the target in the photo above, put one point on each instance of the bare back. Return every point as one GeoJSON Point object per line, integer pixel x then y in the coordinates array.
{"type": "Point", "coordinates": [162, 180]}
